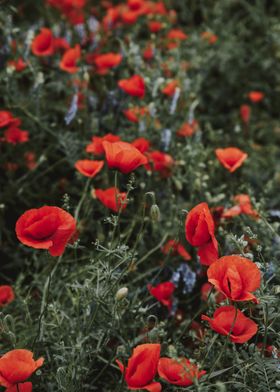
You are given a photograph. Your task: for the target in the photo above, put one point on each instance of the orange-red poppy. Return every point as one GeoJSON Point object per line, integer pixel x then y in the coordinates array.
{"type": "Point", "coordinates": [43, 43]}
{"type": "Point", "coordinates": [135, 4]}
{"type": "Point", "coordinates": [104, 62]}
{"type": "Point", "coordinates": [170, 88]}
{"type": "Point", "coordinates": [141, 144]}
{"type": "Point", "coordinates": [123, 156]}
{"type": "Point", "coordinates": [236, 277]}
{"type": "Point", "coordinates": [245, 113]}
{"type": "Point", "coordinates": [96, 146]}
{"type": "Point", "coordinates": [30, 160]}
{"type": "Point", "coordinates": [70, 58]}
{"type": "Point", "coordinates": [16, 366]}
{"type": "Point", "coordinates": [61, 44]}
{"type": "Point", "coordinates": [179, 371]}
{"type": "Point", "coordinates": [89, 168]}
{"type": "Point", "coordinates": [229, 321]}
{"type": "Point", "coordinates": [142, 368]}
{"type": "Point", "coordinates": [19, 65]}
{"type": "Point", "coordinates": [46, 228]}
{"type": "Point", "coordinates": [155, 26]}
{"type": "Point", "coordinates": [148, 52]}
{"type": "Point", "coordinates": [177, 34]}
{"type": "Point", "coordinates": [187, 129]}
{"type": "Point", "coordinates": [160, 162]}
{"type": "Point", "coordinates": [15, 135]}
{"type": "Point", "coordinates": [174, 247]}
{"type": "Point", "coordinates": [210, 37]}
{"type": "Point", "coordinates": [111, 198]}
{"type": "Point", "coordinates": [243, 206]}
{"type": "Point", "coordinates": [7, 119]}
{"type": "Point", "coordinates": [134, 86]}
{"type": "Point", "coordinates": [163, 292]}
{"type": "Point", "coordinates": [134, 114]}
{"type": "Point", "coordinates": [200, 232]}
{"type": "Point", "coordinates": [231, 157]}
{"type": "Point", "coordinates": [7, 295]}
{"type": "Point", "coordinates": [256, 96]}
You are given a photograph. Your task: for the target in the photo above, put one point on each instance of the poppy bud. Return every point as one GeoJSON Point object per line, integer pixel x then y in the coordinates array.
{"type": "Point", "coordinates": [121, 293]}
{"type": "Point", "coordinates": [155, 213]}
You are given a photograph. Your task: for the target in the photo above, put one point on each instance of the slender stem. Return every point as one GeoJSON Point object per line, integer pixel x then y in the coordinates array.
{"type": "Point", "coordinates": [79, 206]}
{"type": "Point", "coordinates": [265, 316]}
{"type": "Point", "coordinates": [45, 301]}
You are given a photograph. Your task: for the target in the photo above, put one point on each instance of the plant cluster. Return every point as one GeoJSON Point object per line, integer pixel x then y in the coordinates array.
{"type": "Point", "coordinates": [139, 195]}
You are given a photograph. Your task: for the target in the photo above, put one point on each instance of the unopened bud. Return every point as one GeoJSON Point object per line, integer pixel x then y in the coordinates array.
{"type": "Point", "coordinates": [155, 213]}
{"type": "Point", "coordinates": [121, 293]}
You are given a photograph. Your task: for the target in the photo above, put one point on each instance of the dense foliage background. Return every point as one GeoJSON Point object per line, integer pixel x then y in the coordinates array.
{"type": "Point", "coordinates": [67, 310]}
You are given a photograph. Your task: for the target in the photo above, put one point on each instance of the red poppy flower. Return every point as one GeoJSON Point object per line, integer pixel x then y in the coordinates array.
{"type": "Point", "coordinates": [43, 43]}
{"type": "Point", "coordinates": [163, 293]}
{"type": "Point", "coordinates": [135, 113]}
{"type": "Point", "coordinates": [157, 8]}
{"type": "Point", "coordinates": [30, 160]}
{"type": "Point", "coordinates": [19, 65]}
{"type": "Point", "coordinates": [22, 387]}
{"type": "Point", "coordinates": [256, 96]}
{"type": "Point", "coordinates": [129, 16]}
{"type": "Point", "coordinates": [175, 247]}
{"type": "Point", "coordinates": [148, 52]}
{"type": "Point", "coordinates": [111, 17]}
{"type": "Point", "coordinates": [141, 144]}
{"type": "Point", "coordinates": [15, 135]}
{"type": "Point", "coordinates": [177, 34]}
{"type": "Point", "coordinates": [135, 4]}
{"type": "Point", "coordinates": [7, 119]}
{"type": "Point", "coordinates": [179, 371]}
{"type": "Point", "coordinates": [231, 158]}
{"type": "Point", "coordinates": [245, 113]}
{"type": "Point", "coordinates": [46, 228]}
{"type": "Point", "coordinates": [123, 156]}
{"type": "Point", "coordinates": [111, 198]}
{"type": "Point", "coordinates": [96, 147]}
{"type": "Point", "coordinates": [236, 277]}
{"type": "Point", "coordinates": [170, 88]}
{"type": "Point", "coordinates": [142, 368]}
{"type": "Point", "coordinates": [230, 321]}
{"type": "Point", "coordinates": [61, 44]}
{"type": "Point", "coordinates": [17, 366]}
{"type": "Point", "coordinates": [200, 229]}
{"type": "Point", "coordinates": [70, 58]}
{"type": "Point", "coordinates": [210, 37]}
{"type": "Point", "coordinates": [160, 162]}
{"type": "Point", "coordinates": [187, 129]}
{"type": "Point", "coordinates": [134, 86]}
{"type": "Point", "coordinates": [208, 288]}
{"type": "Point", "coordinates": [6, 295]}
{"type": "Point", "coordinates": [155, 26]}
{"type": "Point", "coordinates": [89, 168]}
{"type": "Point", "coordinates": [243, 206]}
{"type": "Point", "coordinates": [106, 61]}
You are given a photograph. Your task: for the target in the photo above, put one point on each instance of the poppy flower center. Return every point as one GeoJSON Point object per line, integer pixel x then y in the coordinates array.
{"type": "Point", "coordinates": [232, 283]}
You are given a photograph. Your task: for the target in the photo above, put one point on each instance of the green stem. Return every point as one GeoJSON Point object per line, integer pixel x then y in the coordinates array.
{"type": "Point", "coordinates": [79, 206]}
{"type": "Point", "coordinates": [45, 302]}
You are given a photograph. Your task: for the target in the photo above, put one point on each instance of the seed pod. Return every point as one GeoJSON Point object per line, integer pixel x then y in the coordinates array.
{"type": "Point", "coordinates": [155, 213]}
{"type": "Point", "coordinates": [121, 293]}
